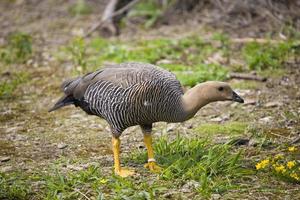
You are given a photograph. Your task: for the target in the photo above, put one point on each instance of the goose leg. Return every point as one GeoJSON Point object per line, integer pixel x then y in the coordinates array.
{"type": "Point", "coordinates": [123, 172]}
{"type": "Point", "coordinates": [153, 167]}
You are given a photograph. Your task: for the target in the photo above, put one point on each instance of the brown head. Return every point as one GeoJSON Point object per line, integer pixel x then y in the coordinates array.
{"type": "Point", "coordinates": [218, 91]}
{"type": "Point", "coordinates": [205, 93]}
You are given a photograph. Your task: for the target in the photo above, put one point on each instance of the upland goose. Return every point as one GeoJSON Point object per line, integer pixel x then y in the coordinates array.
{"type": "Point", "coordinates": [131, 94]}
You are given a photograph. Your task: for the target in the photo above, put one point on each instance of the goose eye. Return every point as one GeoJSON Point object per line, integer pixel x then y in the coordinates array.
{"type": "Point", "coordinates": [220, 88]}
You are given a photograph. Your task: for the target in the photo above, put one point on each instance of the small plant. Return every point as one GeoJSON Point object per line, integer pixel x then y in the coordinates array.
{"type": "Point", "coordinates": [284, 166]}
{"type": "Point", "coordinates": [18, 48]}
{"type": "Point", "coordinates": [77, 50]}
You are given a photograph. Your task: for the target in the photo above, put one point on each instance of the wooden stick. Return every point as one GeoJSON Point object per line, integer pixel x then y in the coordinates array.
{"type": "Point", "coordinates": [105, 18]}
{"type": "Point", "coordinates": [247, 77]}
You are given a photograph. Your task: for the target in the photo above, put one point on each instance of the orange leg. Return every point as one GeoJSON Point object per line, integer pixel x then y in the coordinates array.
{"type": "Point", "coordinates": [153, 167]}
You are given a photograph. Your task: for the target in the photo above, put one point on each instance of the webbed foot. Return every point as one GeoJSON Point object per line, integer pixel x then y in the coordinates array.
{"type": "Point", "coordinates": [153, 167]}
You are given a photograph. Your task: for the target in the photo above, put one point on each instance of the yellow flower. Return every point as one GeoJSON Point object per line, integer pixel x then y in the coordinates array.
{"type": "Point", "coordinates": [262, 164]}
{"type": "Point", "coordinates": [292, 149]}
{"type": "Point", "coordinates": [295, 176]}
{"type": "Point", "coordinates": [103, 181]}
{"type": "Point", "coordinates": [291, 164]}
{"type": "Point", "coordinates": [278, 156]}
{"type": "Point", "coordinates": [280, 168]}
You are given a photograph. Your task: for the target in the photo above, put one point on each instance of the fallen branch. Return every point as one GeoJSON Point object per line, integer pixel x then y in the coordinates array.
{"type": "Point", "coordinates": [106, 18]}
{"type": "Point", "coordinates": [247, 77]}
{"type": "Point", "coordinates": [258, 40]}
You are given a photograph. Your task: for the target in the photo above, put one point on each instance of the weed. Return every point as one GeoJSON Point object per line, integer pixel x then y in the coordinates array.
{"type": "Point", "coordinates": [18, 48]}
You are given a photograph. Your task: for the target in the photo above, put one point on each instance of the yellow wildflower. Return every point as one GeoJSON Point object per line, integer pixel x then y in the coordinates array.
{"type": "Point", "coordinates": [295, 176]}
{"type": "Point", "coordinates": [291, 164]}
{"type": "Point", "coordinates": [262, 164]}
{"type": "Point", "coordinates": [278, 156]}
{"type": "Point", "coordinates": [292, 149]}
{"type": "Point", "coordinates": [280, 168]}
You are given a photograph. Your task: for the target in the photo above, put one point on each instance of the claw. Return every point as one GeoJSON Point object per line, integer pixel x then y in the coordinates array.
{"type": "Point", "coordinates": [153, 167]}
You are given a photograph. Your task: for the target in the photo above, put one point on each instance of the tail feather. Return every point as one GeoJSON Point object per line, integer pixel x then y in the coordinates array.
{"type": "Point", "coordinates": [63, 101]}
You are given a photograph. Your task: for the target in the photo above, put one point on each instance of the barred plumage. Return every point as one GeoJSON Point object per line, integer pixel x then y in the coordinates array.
{"type": "Point", "coordinates": [128, 94]}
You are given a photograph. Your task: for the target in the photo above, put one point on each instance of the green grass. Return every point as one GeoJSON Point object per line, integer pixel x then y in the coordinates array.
{"type": "Point", "coordinates": [215, 167]}
{"type": "Point", "coordinates": [10, 84]}
{"type": "Point", "coordinates": [229, 128]}
{"type": "Point", "coordinates": [150, 10]}
{"type": "Point", "coordinates": [186, 55]}
{"type": "Point", "coordinates": [58, 183]}
{"type": "Point", "coordinates": [18, 48]}
{"type": "Point", "coordinates": [14, 186]}
{"type": "Point", "coordinates": [250, 85]}
{"type": "Point", "coordinates": [80, 8]}
{"type": "Point", "coordinates": [266, 56]}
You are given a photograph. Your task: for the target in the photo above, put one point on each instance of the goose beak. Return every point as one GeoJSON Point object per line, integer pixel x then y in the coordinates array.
{"type": "Point", "coordinates": [237, 98]}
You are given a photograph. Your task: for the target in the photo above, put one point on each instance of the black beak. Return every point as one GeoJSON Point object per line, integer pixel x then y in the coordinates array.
{"type": "Point", "coordinates": [237, 98]}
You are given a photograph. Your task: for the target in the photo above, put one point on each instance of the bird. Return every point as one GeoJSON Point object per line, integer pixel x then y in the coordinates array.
{"type": "Point", "coordinates": [133, 93]}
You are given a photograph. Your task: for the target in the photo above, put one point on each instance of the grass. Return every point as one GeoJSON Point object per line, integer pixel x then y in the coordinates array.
{"type": "Point", "coordinates": [229, 128]}
{"type": "Point", "coordinates": [213, 166]}
{"type": "Point", "coordinates": [18, 48]}
{"type": "Point", "coordinates": [150, 10]}
{"type": "Point", "coordinates": [264, 56]}
{"type": "Point", "coordinates": [14, 186]}
{"type": "Point", "coordinates": [250, 85]}
{"type": "Point", "coordinates": [10, 84]}
{"type": "Point", "coordinates": [56, 183]}
{"type": "Point", "coordinates": [186, 55]}
{"type": "Point", "coordinates": [80, 7]}
{"type": "Point", "coordinates": [183, 56]}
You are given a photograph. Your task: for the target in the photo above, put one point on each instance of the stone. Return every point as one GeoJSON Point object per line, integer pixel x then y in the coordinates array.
{"type": "Point", "coordinates": [170, 127]}
{"type": "Point", "coordinates": [6, 169]}
{"type": "Point", "coordinates": [273, 104]}
{"type": "Point", "coordinates": [4, 158]}
{"type": "Point", "coordinates": [62, 146]}
{"type": "Point", "coordinates": [215, 196]}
